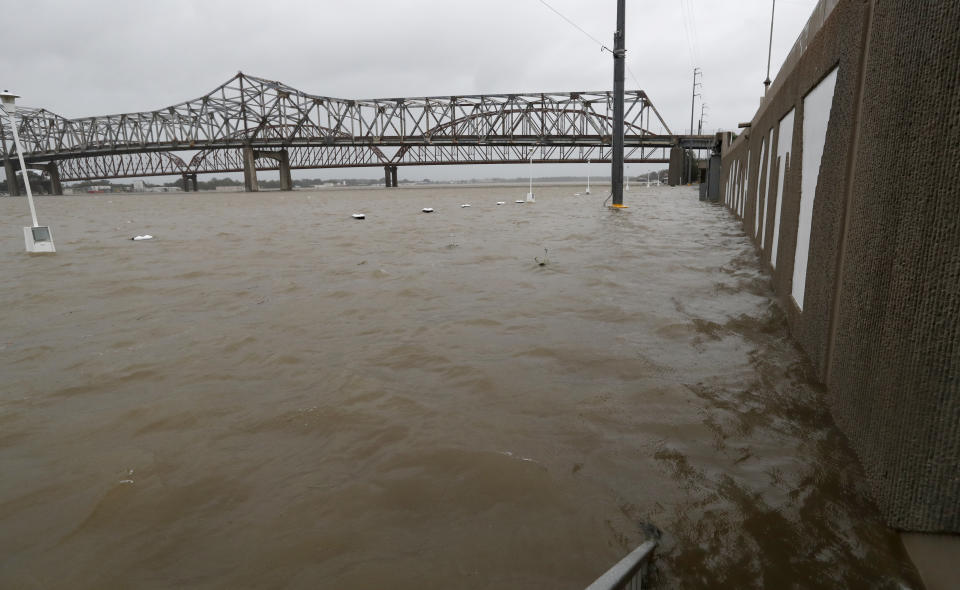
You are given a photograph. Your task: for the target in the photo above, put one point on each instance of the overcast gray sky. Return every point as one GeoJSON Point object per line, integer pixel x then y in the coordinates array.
{"type": "Point", "coordinates": [96, 57]}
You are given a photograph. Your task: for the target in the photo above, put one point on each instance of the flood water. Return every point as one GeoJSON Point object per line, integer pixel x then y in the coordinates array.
{"type": "Point", "coordinates": [271, 394]}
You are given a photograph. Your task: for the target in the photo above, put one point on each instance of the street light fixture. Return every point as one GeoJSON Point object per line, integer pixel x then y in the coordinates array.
{"type": "Point", "coordinates": [37, 237]}
{"type": "Point", "coordinates": [588, 176]}
{"type": "Point", "coordinates": [530, 197]}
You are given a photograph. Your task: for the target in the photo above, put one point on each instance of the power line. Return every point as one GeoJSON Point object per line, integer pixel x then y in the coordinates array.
{"type": "Point", "coordinates": [686, 31]}
{"type": "Point", "coordinates": [592, 38]}
{"type": "Point", "coordinates": [576, 26]}
{"type": "Point", "coordinates": [694, 29]}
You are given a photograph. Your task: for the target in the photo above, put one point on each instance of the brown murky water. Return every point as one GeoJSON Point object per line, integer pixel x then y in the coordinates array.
{"type": "Point", "coordinates": [272, 395]}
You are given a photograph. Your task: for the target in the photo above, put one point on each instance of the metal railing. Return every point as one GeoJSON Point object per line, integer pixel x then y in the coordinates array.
{"type": "Point", "coordinates": [629, 573]}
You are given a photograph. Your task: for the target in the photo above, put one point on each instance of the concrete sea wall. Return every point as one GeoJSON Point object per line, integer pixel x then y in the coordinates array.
{"type": "Point", "coordinates": [847, 180]}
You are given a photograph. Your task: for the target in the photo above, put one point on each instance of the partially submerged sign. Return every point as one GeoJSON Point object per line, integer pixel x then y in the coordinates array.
{"type": "Point", "coordinates": [38, 239]}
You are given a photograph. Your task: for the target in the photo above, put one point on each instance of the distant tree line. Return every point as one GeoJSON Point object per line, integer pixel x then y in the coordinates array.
{"type": "Point", "coordinates": [37, 184]}
{"type": "Point", "coordinates": [41, 186]}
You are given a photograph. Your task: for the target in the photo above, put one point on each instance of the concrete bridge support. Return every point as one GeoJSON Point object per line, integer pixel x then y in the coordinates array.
{"type": "Point", "coordinates": [250, 183]}
{"type": "Point", "coordinates": [390, 176]}
{"type": "Point", "coordinates": [13, 189]}
{"type": "Point", "coordinates": [683, 167]}
{"type": "Point", "coordinates": [250, 156]}
{"type": "Point", "coordinates": [286, 180]}
{"type": "Point", "coordinates": [710, 190]}
{"type": "Point", "coordinates": [188, 181]}
{"type": "Point", "coordinates": [675, 172]}
{"type": "Point", "coordinates": [53, 171]}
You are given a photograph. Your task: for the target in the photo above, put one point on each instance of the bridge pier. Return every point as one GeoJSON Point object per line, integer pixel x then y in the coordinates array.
{"type": "Point", "coordinates": [53, 171]}
{"type": "Point", "coordinates": [676, 168]}
{"type": "Point", "coordinates": [286, 180]}
{"type": "Point", "coordinates": [390, 176]}
{"type": "Point", "coordinates": [13, 189]}
{"type": "Point", "coordinates": [189, 179]}
{"type": "Point", "coordinates": [250, 156]}
{"type": "Point", "coordinates": [250, 183]}
{"type": "Point", "coordinates": [683, 167]}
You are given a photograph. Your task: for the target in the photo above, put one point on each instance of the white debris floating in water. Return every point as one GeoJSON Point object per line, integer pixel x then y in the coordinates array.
{"type": "Point", "coordinates": [464, 205]}
{"type": "Point", "coordinates": [428, 209]}
{"type": "Point", "coordinates": [518, 201]}
{"type": "Point", "coordinates": [501, 202]}
{"type": "Point", "coordinates": [143, 237]}
{"type": "Point", "coordinates": [359, 216]}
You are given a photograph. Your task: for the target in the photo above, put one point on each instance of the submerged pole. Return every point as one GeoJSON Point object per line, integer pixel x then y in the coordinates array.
{"type": "Point", "coordinates": [619, 53]}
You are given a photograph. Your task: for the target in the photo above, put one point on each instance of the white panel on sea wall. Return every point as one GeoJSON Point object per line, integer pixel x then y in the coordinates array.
{"type": "Point", "coordinates": [744, 191]}
{"type": "Point", "coordinates": [766, 191]}
{"type": "Point", "coordinates": [736, 190]}
{"type": "Point", "coordinates": [741, 171]}
{"type": "Point", "coordinates": [816, 117]}
{"type": "Point", "coordinates": [733, 184]}
{"type": "Point", "coordinates": [730, 181]}
{"type": "Point", "coordinates": [743, 187]}
{"type": "Point", "coordinates": [758, 201]}
{"type": "Point", "coordinates": [784, 142]}
{"type": "Point", "coordinates": [726, 190]}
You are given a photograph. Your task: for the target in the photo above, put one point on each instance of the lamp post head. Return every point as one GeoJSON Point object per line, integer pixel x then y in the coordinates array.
{"type": "Point", "coordinates": [8, 99]}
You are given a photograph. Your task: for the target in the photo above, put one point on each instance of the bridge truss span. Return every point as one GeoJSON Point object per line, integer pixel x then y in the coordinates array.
{"type": "Point", "coordinates": [244, 123]}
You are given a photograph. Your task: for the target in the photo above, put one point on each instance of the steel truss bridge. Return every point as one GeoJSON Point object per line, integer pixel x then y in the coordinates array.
{"type": "Point", "coordinates": [250, 124]}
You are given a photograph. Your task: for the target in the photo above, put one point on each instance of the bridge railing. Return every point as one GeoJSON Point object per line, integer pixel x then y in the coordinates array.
{"type": "Point", "coordinates": [629, 573]}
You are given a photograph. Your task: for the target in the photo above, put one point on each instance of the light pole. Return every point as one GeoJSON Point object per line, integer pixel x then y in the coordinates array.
{"type": "Point", "coordinates": [37, 237]}
{"type": "Point", "coordinates": [530, 197]}
{"type": "Point", "coordinates": [588, 176]}
{"type": "Point", "coordinates": [766, 82]}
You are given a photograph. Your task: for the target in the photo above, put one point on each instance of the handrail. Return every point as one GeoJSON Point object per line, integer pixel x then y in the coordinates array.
{"type": "Point", "coordinates": [628, 572]}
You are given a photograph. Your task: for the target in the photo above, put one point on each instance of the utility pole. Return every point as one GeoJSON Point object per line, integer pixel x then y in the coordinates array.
{"type": "Point", "coordinates": [703, 106]}
{"type": "Point", "coordinates": [693, 101]}
{"type": "Point", "coordinates": [766, 83]}
{"type": "Point", "coordinates": [695, 94]}
{"type": "Point", "coordinates": [619, 53]}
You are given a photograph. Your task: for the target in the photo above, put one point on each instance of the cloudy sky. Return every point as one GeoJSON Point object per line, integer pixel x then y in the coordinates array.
{"type": "Point", "coordinates": [95, 57]}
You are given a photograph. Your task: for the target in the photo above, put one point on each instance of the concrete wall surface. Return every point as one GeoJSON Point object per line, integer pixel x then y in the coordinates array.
{"type": "Point", "coordinates": [847, 180]}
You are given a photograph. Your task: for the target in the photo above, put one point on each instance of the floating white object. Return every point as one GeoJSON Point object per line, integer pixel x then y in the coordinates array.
{"type": "Point", "coordinates": [501, 202]}
{"type": "Point", "coordinates": [518, 201]}
{"type": "Point", "coordinates": [143, 237]}
{"type": "Point", "coordinates": [359, 216]}
{"type": "Point", "coordinates": [531, 198]}
{"type": "Point", "coordinates": [464, 205]}
{"type": "Point", "coordinates": [38, 239]}
{"type": "Point", "coordinates": [427, 209]}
